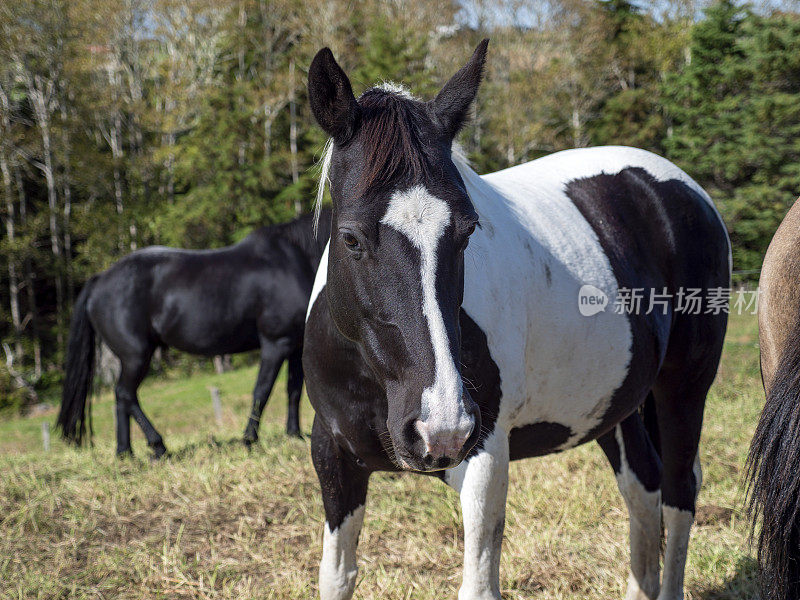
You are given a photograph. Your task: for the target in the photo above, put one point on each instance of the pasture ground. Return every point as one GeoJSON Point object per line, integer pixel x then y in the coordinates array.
{"type": "Point", "coordinates": [215, 521]}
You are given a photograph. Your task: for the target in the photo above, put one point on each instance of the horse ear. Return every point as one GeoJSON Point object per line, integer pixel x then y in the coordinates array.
{"type": "Point", "coordinates": [331, 96]}
{"type": "Point", "coordinates": [451, 105]}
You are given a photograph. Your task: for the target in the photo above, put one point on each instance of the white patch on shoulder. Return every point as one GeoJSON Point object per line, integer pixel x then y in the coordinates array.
{"type": "Point", "coordinates": [422, 218]}
{"type": "Point", "coordinates": [523, 271]}
{"type": "Point", "coordinates": [338, 569]}
{"type": "Point", "coordinates": [320, 279]}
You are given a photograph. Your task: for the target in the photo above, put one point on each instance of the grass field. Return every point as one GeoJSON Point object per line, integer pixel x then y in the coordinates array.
{"type": "Point", "coordinates": [215, 521]}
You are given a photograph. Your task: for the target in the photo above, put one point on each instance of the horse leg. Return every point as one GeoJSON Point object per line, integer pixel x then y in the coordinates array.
{"type": "Point", "coordinates": [131, 375]}
{"type": "Point", "coordinates": [344, 493]}
{"type": "Point", "coordinates": [123, 420]}
{"type": "Point", "coordinates": [294, 388]}
{"type": "Point", "coordinates": [154, 439]}
{"type": "Point", "coordinates": [679, 409]}
{"type": "Point", "coordinates": [273, 353]}
{"type": "Point", "coordinates": [482, 483]}
{"type": "Point", "coordinates": [638, 471]}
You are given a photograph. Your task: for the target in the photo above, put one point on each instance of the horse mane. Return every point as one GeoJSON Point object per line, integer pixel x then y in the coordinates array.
{"type": "Point", "coordinates": [391, 122]}
{"type": "Point", "coordinates": [302, 232]}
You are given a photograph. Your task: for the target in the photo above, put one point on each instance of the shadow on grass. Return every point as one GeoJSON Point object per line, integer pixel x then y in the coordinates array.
{"type": "Point", "coordinates": [212, 442]}
{"type": "Point", "coordinates": [742, 585]}
{"type": "Point", "coordinates": [236, 442]}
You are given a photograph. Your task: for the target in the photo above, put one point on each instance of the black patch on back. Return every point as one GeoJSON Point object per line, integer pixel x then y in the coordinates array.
{"type": "Point", "coordinates": [656, 234]}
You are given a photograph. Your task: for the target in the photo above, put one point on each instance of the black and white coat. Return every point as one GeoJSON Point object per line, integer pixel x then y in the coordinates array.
{"type": "Point", "coordinates": [544, 378]}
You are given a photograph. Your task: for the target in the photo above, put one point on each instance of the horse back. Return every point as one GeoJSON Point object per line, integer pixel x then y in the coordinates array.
{"type": "Point", "coordinates": [204, 302]}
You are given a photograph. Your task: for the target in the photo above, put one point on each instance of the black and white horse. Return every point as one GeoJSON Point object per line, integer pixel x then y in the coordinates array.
{"type": "Point", "coordinates": [444, 333]}
{"type": "Point", "coordinates": [250, 295]}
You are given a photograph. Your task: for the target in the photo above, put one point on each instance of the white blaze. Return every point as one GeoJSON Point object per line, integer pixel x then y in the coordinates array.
{"type": "Point", "coordinates": [422, 218]}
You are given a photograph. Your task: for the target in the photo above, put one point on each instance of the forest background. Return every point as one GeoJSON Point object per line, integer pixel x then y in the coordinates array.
{"type": "Point", "coordinates": [127, 123]}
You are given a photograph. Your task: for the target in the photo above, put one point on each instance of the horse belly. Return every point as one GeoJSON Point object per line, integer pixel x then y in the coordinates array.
{"type": "Point", "coordinates": [206, 331]}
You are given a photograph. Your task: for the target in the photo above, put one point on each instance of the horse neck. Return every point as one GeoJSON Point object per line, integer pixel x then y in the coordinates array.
{"type": "Point", "coordinates": [485, 198]}
{"type": "Point", "coordinates": [310, 243]}
{"type": "Point", "coordinates": [320, 238]}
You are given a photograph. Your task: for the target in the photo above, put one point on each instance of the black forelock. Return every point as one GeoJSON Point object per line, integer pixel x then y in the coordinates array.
{"type": "Point", "coordinates": [397, 136]}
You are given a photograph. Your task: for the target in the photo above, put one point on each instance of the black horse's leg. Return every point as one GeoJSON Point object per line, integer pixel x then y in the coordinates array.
{"type": "Point", "coordinates": [294, 388]}
{"type": "Point", "coordinates": [131, 375]}
{"type": "Point", "coordinates": [638, 470]}
{"type": "Point", "coordinates": [272, 356]}
{"type": "Point", "coordinates": [344, 493]}
{"type": "Point", "coordinates": [123, 420]}
{"type": "Point", "coordinates": [154, 439]}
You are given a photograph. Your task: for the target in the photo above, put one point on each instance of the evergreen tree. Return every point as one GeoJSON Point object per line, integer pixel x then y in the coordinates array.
{"type": "Point", "coordinates": [769, 135]}
{"type": "Point", "coordinates": [393, 53]}
{"type": "Point", "coordinates": [736, 114]}
{"type": "Point", "coordinates": [706, 98]}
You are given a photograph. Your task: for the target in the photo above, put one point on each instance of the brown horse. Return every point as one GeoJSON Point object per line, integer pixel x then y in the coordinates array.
{"type": "Point", "coordinates": [773, 468]}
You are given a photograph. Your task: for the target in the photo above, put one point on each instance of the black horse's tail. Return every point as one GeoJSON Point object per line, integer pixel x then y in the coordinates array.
{"type": "Point", "coordinates": [773, 480]}
{"type": "Point", "coordinates": [79, 371]}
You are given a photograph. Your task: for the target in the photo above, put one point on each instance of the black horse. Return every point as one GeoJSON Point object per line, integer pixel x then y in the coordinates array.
{"type": "Point", "coordinates": [235, 299]}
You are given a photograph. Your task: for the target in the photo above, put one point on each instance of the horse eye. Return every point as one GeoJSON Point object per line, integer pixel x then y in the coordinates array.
{"type": "Point", "coordinates": [471, 229]}
{"type": "Point", "coordinates": [350, 241]}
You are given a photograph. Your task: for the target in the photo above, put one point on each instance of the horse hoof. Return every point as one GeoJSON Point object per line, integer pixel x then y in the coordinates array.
{"type": "Point", "coordinates": [125, 454]}
{"type": "Point", "coordinates": [159, 452]}
{"type": "Point", "coordinates": [294, 434]}
{"type": "Point", "coordinates": [249, 442]}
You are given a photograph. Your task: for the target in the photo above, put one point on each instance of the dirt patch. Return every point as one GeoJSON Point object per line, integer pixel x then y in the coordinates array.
{"type": "Point", "coordinates": [711, 514]}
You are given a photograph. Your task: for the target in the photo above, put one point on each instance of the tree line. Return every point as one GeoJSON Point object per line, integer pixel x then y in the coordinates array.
{"type": "Point", "coordinates": [128, 123]}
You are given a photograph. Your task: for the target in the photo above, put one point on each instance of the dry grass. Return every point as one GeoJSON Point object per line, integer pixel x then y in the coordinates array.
{"type": "Point", "coordinates": [219, 522]}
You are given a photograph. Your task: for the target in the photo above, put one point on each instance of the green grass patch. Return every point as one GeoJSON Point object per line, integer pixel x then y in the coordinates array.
{"type": "Point", "coordinates": [216, 521]}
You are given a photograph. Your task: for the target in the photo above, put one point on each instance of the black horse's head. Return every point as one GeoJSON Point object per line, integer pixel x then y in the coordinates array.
{"type": "Point", "coordinates": [401, 222]}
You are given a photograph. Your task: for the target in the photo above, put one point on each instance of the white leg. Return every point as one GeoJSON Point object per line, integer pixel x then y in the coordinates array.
{"type": "Point", "coordinates": [483, 485]}
{"type": "Point", "coordinates": [644, 510]}
{"type": "Point", "coordinates": [678, 524]}
{"type": "Point", "coordinates": [338, 570]}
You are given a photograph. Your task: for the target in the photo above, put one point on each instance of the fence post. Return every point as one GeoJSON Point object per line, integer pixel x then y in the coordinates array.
{"type": "Point", "coordinates": [46, 435]}
{"type": "Point", "coordinates": [216, 400]}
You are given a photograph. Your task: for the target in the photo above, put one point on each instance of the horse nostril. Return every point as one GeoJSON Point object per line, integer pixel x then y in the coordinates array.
{"type": "Point", "coordinates": [428, 459]}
